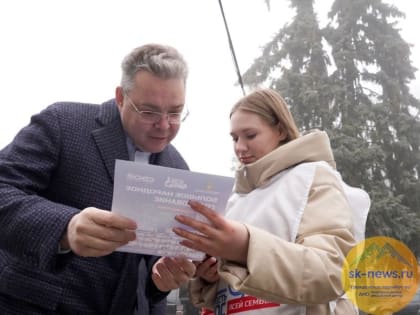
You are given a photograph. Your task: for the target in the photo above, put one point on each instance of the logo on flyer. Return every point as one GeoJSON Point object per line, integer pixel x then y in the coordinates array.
{"type": "Point", "coordinates": [140, 178]}
{"type": "Point", "coordinates": [172, 182]}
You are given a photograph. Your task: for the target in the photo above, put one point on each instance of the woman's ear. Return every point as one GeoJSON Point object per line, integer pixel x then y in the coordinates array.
{"type": "Point", "coordinates": [282, 135]}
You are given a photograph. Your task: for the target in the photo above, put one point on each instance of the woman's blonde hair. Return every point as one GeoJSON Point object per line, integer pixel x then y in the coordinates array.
{"type": "Point", "coordinates": [270, 106]}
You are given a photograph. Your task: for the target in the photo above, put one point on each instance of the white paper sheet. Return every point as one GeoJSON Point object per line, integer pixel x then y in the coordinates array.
{"type": "Point", "coordinates": [152, 196]}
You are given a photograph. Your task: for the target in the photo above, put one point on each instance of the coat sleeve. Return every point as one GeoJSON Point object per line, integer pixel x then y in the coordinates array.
{"type": "Point", "coordinates": [31, 225]}
{"type": "Point", "coordinates": [307, 271]}
{"type": "Point", "coordinates": [150, 300]}
{"type": "Point", "coordinates": [202, 293]}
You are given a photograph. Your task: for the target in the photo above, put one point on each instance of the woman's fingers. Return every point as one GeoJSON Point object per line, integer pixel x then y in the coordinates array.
{"type": "Point", "coordinates": [213, 216]}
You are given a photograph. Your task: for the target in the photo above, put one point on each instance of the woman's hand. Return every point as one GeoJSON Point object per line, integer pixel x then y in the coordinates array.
{"type": "Point", "coordinates": [220, 237]}
{"type": "Point", "coordinates": [207, 269]}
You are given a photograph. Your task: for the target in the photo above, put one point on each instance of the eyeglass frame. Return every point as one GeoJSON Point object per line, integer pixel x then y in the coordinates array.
{"type": "Point", "coordinates": [160, 115]}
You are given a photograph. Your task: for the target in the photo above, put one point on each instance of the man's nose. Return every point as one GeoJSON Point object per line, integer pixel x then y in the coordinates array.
{"type": "Point", "coordinates": [163, 122]}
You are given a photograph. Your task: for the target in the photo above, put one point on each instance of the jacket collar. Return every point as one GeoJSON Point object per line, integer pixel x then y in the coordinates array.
{"type": "Point", "coordinates": [110, 136]}
{"type": "Point", "coordinates": [110, 139]}
{"type": "Point", "coordinates": [312, 147]}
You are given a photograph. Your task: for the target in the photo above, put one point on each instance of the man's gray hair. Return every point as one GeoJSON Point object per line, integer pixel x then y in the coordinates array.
{"type": "Point", "coordinates": [162, 61]}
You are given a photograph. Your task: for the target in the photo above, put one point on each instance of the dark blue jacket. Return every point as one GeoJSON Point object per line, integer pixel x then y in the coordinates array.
{"type": "Point", "coordinates": [62, 162]}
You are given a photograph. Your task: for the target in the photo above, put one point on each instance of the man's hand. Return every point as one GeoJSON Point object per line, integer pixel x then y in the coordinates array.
{"type": "Point", "coordinates": [94, 232]}
{"type": "Point", "coordinates": [169, 273]}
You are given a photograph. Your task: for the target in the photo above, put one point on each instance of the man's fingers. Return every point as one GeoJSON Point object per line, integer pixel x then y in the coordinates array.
{"type": "Point", "coordinates": [110, 219]}
{"type": "Point", "coordinates": [186, 265]}
{"type": "Point", "coordinates": [90, 233]}
{"type": "Point", "coordinates": [171, 272]}
{"type": "Point", "coordinates": [112, 234]}
{"type": "Point", "coordinates": [163, 277]}
{"type": "Point", "coordinates": [88, 245]}
{"type": "Point", "coordinates": [94, 223]}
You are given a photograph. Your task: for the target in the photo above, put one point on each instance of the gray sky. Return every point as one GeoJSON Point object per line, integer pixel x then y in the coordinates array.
{"type": "Point", "coordinates": [71, 51]}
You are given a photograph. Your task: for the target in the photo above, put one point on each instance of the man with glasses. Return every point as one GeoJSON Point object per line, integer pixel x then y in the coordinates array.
{"type": "Point", "coordinates": [57, 236]}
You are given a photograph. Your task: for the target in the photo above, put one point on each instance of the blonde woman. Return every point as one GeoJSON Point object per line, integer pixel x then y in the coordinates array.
{"type": "Point", "coordinates": [288, 224]}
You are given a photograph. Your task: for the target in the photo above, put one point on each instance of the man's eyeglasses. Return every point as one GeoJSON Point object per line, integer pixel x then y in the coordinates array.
{"type": "Point", "coordinates": [155, 117]}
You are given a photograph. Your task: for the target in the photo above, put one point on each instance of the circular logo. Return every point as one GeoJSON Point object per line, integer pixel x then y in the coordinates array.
{"type": "Point", "coordinates": [380, 275]}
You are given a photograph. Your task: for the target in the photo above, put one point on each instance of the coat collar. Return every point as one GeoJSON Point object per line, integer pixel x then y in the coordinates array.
{"type": "Point", "coordinates": [110, 136]}
{"type": "Point", "coordinates": [110, 139]}
{"type": "Point", "coordinates": [311, 147]}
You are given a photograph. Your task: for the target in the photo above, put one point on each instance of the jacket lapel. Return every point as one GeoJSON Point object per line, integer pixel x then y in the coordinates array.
{"type": "Point", "coordinates": [110, 138]}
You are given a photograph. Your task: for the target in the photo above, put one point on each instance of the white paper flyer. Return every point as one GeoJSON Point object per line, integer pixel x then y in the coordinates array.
{"type": "Point", "coordinates": [152, 196]}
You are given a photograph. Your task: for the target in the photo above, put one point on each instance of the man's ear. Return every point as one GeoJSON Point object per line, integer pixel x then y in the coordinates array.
{"type": "Point", "coordinates": [119, 96]}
